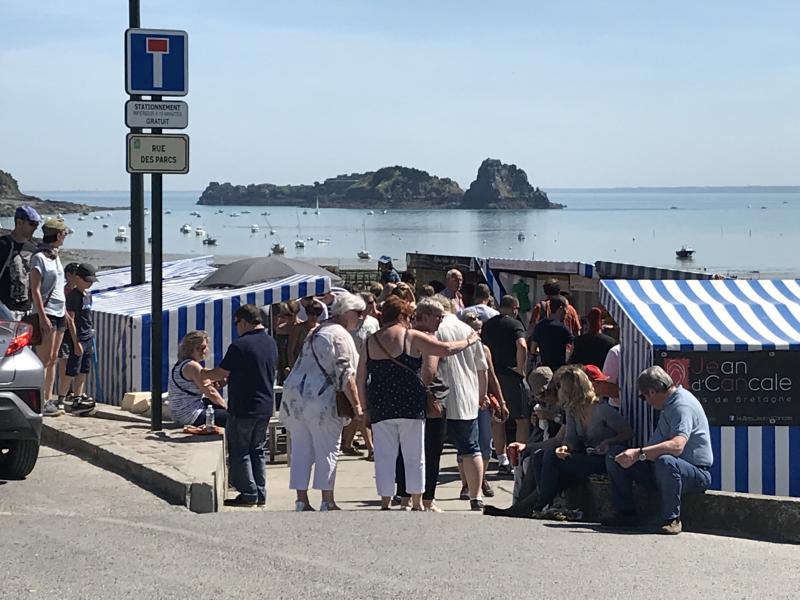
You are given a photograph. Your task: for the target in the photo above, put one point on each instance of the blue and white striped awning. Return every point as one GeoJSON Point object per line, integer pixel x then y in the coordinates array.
{"type": "Point", "coordinates": [725, 315]}
{"type": "Point", "coordinates": [111, 279]}
{"type": "Point", "coordinates": [135, 300]}
{"type": "Point", "coordinates": [617, 270]}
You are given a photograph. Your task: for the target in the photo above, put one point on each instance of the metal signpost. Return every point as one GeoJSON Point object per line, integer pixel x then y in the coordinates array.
{"type": "Point", "coordinates": [156, 65]}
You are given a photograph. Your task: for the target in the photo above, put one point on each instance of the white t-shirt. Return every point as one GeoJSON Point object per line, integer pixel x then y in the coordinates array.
{"type": "Point", "coordinates": [611, 370]}
{"type": "Point", "coordinates": [483, 311]}
{"type": "Point", "coordinates": [52, 283]}
{"type": "Point", "coordinates": [365, 329]}
{"type": "Point", "coordinates": [460, 371]}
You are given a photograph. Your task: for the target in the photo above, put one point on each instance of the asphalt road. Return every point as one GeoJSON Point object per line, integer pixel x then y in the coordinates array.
{"type": "Point", "coordinates": [72, 530]}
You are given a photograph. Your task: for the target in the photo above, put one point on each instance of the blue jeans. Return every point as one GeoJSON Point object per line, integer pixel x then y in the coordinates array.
{"type": "Point", "coordinates": [555, 475]}
{"type": "Point", "coordinates": [247, 440]}
{"type": "Point", "coordinates": [463, 434]}
{"type": "Point", "coordinates": [673, 477]}
{"type": "Point", "coordinates": [485, 433]}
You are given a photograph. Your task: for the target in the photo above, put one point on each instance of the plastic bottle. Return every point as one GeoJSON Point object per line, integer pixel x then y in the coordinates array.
{"type": "Point", "coordinates": [209, 418]}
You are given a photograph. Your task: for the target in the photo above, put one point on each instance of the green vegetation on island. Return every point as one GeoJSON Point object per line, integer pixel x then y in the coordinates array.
{"type": "Point", "coordinates": [497, 185]}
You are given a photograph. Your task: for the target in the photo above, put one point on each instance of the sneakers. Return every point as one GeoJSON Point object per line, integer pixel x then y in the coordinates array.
{"type": "Point", "coordinates": [241, 501]}
{"type": "Point", "coordinates": [621, 520]}
{"type": "Point", "coordinates": [487, 489]}
{"type": "Point", "coordinates": [464, 495]}
{"type": "Point", "coordinates": [82, 405]}
{"type": "Point", "coordinates": [505, 470]}
{"type": "Point", "coordinates": [673, 527]}
{"type": "Point", "coordinates": [64, 403]}
{"type": "Point", "coordinates": [328, 507]}
{"type": "Point", "coordinates": [50, 409]}
{"type": "Point", "coordinates": [300, 506]}
{"type": "Point", "coordinates": [352, 452]}
{"type": "Point", "coordinates": [476, 504]}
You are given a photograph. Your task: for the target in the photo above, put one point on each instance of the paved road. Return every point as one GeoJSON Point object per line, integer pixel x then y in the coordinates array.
{"type": "Point", "coordinates": [74, 531]}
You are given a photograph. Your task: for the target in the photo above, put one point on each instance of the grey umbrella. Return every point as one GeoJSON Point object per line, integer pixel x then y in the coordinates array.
{"type": "Point", "coordinates": [249, 271]}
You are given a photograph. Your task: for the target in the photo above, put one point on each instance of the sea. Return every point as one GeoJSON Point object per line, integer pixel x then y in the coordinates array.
{"type": "Point", "coordinates": [747, 233]}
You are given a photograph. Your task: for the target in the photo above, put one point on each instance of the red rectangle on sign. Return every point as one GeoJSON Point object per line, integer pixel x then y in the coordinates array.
{"type": "Point", "coordinates": [158, 45]}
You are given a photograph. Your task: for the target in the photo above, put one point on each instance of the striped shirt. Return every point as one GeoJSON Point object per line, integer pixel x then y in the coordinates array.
{"type": "Point", "coordinates": [185, 399]}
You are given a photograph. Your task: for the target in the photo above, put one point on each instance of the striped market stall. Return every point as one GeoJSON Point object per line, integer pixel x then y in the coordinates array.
{"type": "Point", "coordinates": [122, 323]}
{"type": "Point", "coordinates": [736, 345]}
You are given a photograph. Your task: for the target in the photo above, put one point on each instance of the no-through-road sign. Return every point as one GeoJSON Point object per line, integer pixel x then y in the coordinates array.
{"type": "Point", "coordinates": [156, 62]}
{"type": "Point", "coordinates": [157, 153]}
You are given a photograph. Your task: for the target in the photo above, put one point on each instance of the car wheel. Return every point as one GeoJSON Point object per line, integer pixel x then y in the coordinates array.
{"type": "Point", "coordinates": [20, 459]}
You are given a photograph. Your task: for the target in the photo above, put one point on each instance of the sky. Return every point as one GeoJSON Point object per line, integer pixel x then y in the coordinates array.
{"type": "Point", "coordinates": [578, 94]}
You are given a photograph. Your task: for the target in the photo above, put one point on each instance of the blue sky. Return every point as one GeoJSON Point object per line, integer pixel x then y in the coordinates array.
{"type": "Point", "coordinates": [579, 94]}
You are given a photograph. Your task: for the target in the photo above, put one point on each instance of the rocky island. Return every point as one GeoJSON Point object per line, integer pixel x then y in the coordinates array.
{"type": "Point", "coordinates": [497, 186]}
{"type": "Point", "coordinates": [11, 198]}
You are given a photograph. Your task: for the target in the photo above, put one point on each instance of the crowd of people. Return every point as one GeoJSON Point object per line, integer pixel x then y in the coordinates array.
{"type": "Point", "coordinates": [404, 366]}
{"type": "Point", "coordinates": [56, 302]}
{"type": "Point", "coordinates": [408, 367]}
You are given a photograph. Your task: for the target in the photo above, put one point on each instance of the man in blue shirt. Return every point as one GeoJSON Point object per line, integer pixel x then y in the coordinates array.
{"type": "Point", "coordinates": [676, 460]}
{"type": "Point", "coordinates": [249, 366]}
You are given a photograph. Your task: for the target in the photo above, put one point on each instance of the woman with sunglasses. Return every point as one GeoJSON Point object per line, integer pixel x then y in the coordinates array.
{"type": "Point", "coordinates": [47, 281]}
{"type": "Point", "coordinates": [592, 427]}
{"type": "Point", "coordinates": [327, 365]}
{"type": "Point", "coordinates": [189, 392]}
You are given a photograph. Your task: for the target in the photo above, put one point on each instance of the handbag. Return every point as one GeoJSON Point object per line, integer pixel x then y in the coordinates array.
{"type": "Point", "coordinates": [33, 321]}
{"type": "Point", "coordinates": [434, 406]}
{"type": "Point", "coordinates": [344, 409]}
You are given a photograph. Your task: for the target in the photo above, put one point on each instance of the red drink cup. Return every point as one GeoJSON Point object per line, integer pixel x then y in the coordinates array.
{"type": "Point", "coordinates": [513, 455]}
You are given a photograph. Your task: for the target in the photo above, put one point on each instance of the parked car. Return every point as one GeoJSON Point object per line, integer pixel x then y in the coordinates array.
{"type": "Point", "coordinates": [21, 383]}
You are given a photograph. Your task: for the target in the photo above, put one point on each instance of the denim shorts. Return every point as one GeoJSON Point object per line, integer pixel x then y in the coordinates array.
{"type": "Point", "coordinates": [463, 434]}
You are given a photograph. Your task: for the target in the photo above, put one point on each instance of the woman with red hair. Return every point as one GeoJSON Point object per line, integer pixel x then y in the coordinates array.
{"type": "Point", "coordinates": [591, 348]}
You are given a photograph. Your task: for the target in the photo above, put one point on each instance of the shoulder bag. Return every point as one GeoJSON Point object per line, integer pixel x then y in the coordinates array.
{"type": "Point", "coordinates": [344, 408]}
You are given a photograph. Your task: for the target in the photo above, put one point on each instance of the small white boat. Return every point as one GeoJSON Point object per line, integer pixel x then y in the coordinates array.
{"type": "Point", "coordinates": [122, 234]}
{"type": "Point", "coordinates": [253, 228]}
{"type": "Point", "coordinates": [364, 255]}
{"type": "Point", "coordinates": [265, 214]}
{"type": "Point", "coordinates": [199, 231]}
{"type": "Point", "coordinates": [70, 231]}
{"type": "Point", "coordinates": [384, 212]}
{"type": "Point", "coordinates": [105, 225]}
{"type": "Point", "coordinates": [371, 212]}
{"type": "Point", "coordinates": [310, 238]}
{"type": "Point", "coordinates": [107, 214]}
{"type": "Point", "coordinates": [167, 212]}
{"type": "Point", "coordinates": [521, 236]}
{"type": "Point", "coordinates": [245, 212]}
{"type": "Point", "coordinates": [210, 241]}
{"type": "Point", "coordinates": [323, 241]}
{"type": "Point", "coordinates": [220, 211]}
{"type": "Point", "coordinates": [278, 248]}
{"type": "Point", "coordinates": [316, 209]}
{"type": "Point", "coordinates": [89, 233]}
{"type": "Point", "coordinates": [81, 218]}
{"type": "Point", "coordinates": [684, 253]}
{"type": "Point", "coordinates": [305, 212]}
{"type": "Point", "coordinates": [186, 228]}
{"type": "Point", "coordinates": [234, 214]}
{"type": "Point", "coordinates": [299, 244]}
{"type": "Point", "coordinates": [272, 232]}
{"type": "Point", "coordinates": [98, 217]}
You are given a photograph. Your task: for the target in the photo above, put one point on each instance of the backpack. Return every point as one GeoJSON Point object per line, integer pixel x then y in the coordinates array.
{"type": "Point", "coordinates": [18, 265]}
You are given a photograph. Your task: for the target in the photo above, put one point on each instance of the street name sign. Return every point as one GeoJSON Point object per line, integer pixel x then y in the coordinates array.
{"type": "Point", "coordinates": [156, 62]}
{"type": "Point", "coordinates": [157, 153]}
{"type": "Point", "coordinates": [159, 115]}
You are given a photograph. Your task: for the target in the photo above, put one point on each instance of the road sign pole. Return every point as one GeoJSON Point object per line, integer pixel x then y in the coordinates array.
{"type": "Point", "coordinates": [156, 270]}
{"type": "Point", "coordinates": [137, 185]}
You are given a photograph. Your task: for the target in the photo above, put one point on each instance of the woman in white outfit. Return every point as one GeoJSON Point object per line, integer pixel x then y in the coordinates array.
{"type": "Point", "coordinates": [389, 377]}
{"type": "Point", "coordinates": [327, 364]}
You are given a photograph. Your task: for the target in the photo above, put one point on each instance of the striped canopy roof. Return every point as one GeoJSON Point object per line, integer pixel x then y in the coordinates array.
{"type": "Point", "coordinates": [135, 300]}
{"type": "Point", "coordinates": [724, 315]}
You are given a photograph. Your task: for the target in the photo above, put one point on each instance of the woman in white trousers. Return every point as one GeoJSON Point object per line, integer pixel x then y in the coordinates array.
{"type": "Point", "coordinates": [389, 377]}
{"type": "Point", "coordinates": [327, 364]}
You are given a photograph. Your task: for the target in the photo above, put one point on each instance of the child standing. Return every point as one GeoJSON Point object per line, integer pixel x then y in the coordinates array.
{"type": "Point", "coordinates": [79, 307]}
{"type": "Point", "coordinates": [66, 343]}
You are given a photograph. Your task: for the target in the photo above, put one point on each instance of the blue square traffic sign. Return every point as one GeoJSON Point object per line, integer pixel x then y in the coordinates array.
{"type": "Point", "coordinates": [156, 62]}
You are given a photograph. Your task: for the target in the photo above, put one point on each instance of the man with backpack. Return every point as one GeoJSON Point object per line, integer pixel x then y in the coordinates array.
{"type": "Point", "coordinates": [16, 250]}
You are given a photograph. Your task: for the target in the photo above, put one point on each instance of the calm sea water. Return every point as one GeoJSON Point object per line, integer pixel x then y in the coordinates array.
{"type": "Point", "coordinates": [730, 231]}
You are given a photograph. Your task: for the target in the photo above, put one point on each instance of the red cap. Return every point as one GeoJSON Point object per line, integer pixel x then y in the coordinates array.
{"type": "Point", "coordinates": [594, 373]}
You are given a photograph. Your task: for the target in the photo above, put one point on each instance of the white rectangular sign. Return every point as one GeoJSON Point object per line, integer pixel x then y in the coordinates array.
{"type": "Point", "coordinates": [157, 153]}
{"type": "Point", "coordinates": [158, 115]}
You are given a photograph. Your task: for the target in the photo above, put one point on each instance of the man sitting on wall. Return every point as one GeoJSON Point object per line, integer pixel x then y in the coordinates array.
{"type": "Point", "coordinates": [676, 460]}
